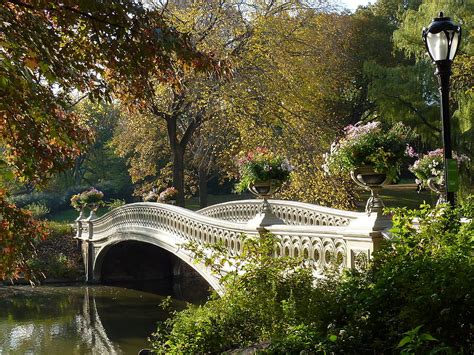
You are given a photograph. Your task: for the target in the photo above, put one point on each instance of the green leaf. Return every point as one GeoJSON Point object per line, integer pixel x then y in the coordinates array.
{"type": "Point", "coordinates": [427, 337]}
{"type": "Point", "coordinates": [405, 340]}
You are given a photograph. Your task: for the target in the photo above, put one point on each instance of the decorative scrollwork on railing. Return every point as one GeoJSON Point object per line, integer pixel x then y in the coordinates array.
{"type": "Point", "coordinates": [319, 252]}
{"type": "Point", "coordinates": [292, 213]}
{"type": "Point", "coordinates": [170, 220]}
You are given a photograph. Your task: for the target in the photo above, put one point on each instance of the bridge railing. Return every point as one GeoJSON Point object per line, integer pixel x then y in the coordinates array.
{"type": "Point", "coordinates": [291, 212]}
{"type": "Point", "coordinates": [175, 221]}
{"type": "Point", "coordinates": [322, 236]}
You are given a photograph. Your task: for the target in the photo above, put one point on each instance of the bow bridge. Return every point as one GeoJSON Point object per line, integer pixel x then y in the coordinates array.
{"type": "Point", "coordinates": [321, 235]}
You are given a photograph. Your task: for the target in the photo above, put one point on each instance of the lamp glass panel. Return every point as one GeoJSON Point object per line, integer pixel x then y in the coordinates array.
{"type": "Point", "coordinates": [437, 45]}
{"type": "Point", "coordinates": [454, 45]}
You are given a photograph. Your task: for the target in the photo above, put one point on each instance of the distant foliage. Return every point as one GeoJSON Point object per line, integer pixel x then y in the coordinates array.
{"type": "Point", "coordinates": [61, 201]}
{"type": "Point", "coordinates": [51, 200]}
{"type": "Point", "coordinates": [115, 203]}
{"type": "Point", "coordinates": [414, 297]}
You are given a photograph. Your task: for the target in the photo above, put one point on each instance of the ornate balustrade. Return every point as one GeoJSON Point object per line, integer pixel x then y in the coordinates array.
{"type": "Point", "coordinates": [292, 213]}
{"type": "Point", "coordinates": [171, 220]}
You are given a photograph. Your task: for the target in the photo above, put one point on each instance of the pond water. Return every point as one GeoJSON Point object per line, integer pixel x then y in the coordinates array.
{"type": "Point", "coordinates": [77, 319]}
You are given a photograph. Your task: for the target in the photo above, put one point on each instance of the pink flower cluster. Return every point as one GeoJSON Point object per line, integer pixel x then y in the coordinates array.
{"type": "Point", "coordinates": [353, 131]}
{"type": "Point", "coordinates": [259, 152]}
{"type": "Point", "coordinates": [436, 153]}
{"type": "Point", "coordinates": [410, 152]}
{"type": "Point", "coordinates": [168, 194]}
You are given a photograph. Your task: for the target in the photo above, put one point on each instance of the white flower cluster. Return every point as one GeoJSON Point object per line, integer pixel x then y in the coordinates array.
{"type": "Point", "coordinates": [435, 169]}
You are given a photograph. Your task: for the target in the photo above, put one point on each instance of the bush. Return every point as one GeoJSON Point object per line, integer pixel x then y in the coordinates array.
{"type": "Point", "coordinates": [53, 201]}
{"type": "Point", "coordinates": [38, 210]}
{"type": "Point", "coordinates": [423, 277]}
{"type": "Point", "coordinates": [258, 305]}
{"type": "Point", "coordinates": [415, 296]}
{"type": "Point", "coordinates": [58, 229]}
{"type": "Point", "coordinates": [115, 203]}
{"type": "Point", "coordinates": [57, 256]}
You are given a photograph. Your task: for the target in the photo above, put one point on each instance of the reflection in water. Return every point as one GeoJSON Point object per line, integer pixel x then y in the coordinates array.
{"type": "Point", "coordinates": [77, 319]}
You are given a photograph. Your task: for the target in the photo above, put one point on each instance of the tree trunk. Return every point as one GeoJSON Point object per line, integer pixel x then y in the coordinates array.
{"type": "Point", "coordinates": [178, 160]}
{"type": "Point", "coordinates": [178, 173]}
{"type": "Point", "coordinates": [178, 148]}
{"type": "Point", "coordinates": [202, 187]}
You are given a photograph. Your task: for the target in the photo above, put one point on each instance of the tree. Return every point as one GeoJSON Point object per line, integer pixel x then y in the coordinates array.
{"type": "Point", "coordinates": [88, 169]}
{"type": "Point", "coordinates": [51, 50]}
{"type": "Point", "coordinates": [407, 39]}
{"type": "Point", "coordinates": [293, 92]}
{"type": "Point", "coordinates": [183, 108]}
{"type": "Point", "coordinates": [220, 27]}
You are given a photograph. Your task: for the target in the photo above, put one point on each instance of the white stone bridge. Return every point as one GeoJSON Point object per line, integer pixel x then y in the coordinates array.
{"type": "Point", "coordinates": [319, 234]}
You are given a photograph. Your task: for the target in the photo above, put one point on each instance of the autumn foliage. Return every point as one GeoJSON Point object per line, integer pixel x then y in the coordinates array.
{"type": "Point", "coordinates": [18, 231]}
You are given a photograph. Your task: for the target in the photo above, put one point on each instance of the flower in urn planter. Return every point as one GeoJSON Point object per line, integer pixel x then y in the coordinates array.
{"type": "Point", "coordinates": [168, 195]}
{"type": "Point", "coordinates": [262, 165]}
{"type": "Point", "coordinates": [369, 145]}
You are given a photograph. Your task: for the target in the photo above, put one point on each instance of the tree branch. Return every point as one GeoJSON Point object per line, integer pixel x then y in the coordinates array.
{"type": "Point", "coordinates": [415, 111]}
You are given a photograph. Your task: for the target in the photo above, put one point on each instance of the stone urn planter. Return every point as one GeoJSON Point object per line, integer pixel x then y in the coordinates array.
{"type": "Point", "coordinates": [437, 188]}
{"type": "Point", "coordinates": [264, 190]}
{"type": "Point", "coordinates": [367, 178]}
{"type": "Point", "coordinates": [81, 216]}
{"type": "Point", "coordinates": [93, 207]}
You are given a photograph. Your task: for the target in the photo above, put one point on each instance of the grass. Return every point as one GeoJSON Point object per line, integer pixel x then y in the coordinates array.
{"type": "Point", "coordinates": [68, 216]}
{"type": "Point", "coordinates": [193, 202]}
{"type": "Point", "coordinates": [393, 196]}
{"type": "Point", "coordinates": [400, 196]}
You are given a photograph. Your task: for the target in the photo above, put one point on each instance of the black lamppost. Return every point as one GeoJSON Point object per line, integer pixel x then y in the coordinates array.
{"type": "Point", "coordinates": [442, 39]}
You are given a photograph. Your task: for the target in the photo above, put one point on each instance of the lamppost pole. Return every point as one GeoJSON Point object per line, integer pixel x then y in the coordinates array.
{"type": "Point", "coordinates": [443, 72]}
{"type": "Point", "coordinates": [442, 39]}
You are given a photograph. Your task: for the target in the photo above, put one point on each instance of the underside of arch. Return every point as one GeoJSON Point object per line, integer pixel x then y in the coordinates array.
{"type": "Point", "coordinates": [159, 241]}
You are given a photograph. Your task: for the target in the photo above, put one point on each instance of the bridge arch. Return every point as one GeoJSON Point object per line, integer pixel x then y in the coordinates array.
{"type": "Point", "coordinates": [153, 240]}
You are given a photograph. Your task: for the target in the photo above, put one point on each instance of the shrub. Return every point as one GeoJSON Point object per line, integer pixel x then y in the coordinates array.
{"type": "Point", "coordinates": [57, 256]}
{"type": "Point", "coordinates": [38, 210]}
{"type": "Point", "coordinates": [59, 229]}
{"type": "Point", "coordinates": [415, 296]}
{"type": "Point", "coordinates": [258, 305]}
{"type": "Point", "coordinates": [424, 276]}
